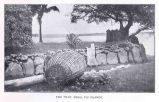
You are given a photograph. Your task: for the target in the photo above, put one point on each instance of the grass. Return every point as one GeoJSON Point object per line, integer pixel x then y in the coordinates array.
{"type": "Point", "coordinates": [136, 78]}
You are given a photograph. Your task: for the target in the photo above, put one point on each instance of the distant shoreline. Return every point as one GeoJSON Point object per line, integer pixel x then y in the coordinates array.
{"type": "Point", "coordinates": [64, 35]}
{"type": "Point", "coordinates": [86, 34]}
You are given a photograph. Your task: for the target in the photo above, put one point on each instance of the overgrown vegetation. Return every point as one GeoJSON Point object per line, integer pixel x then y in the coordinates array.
{"type": "Point", "coordinates": [18, 26]}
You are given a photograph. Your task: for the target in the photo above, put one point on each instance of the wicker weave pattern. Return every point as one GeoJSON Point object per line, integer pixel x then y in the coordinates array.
{"type": "Point", "coordinates": [72, 65]}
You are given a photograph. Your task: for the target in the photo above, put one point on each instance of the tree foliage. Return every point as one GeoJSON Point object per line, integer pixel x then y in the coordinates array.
{"type": "Point", "coordinates": [40, 10]}
{"type": "Point", "coordinates": [128, 14]}
{"type": "Point", "coordinates": [17, 25]}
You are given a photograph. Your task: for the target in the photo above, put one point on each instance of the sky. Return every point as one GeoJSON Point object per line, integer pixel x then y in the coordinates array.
{"type": "Point", "coordinates": [60, 23]}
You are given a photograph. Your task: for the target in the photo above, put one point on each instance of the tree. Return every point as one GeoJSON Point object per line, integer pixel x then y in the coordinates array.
{"type": "Point", "coordinates": [17, 26]}
{"type": "Point", "coordinates": [73, 41]}
{"type": "Point", "coordinates": [40, 10]}
{"type": "Point", "coordinates": [122, 14]}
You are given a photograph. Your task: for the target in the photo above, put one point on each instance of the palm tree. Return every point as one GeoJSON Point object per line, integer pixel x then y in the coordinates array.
{"type": "Point", "coordinates": [40, 10]}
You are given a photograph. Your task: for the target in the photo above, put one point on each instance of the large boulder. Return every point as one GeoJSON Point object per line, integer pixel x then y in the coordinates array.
{"type": "Point", "coordinates": [101, 58]}
{"type": "Point", "coordinates": [13, 71]}
{"type": "Point", "coordinates": [112, 58]}
{"type": "Point", "coordinates": [143, 53]}
{"type": "Point", "coordinates": [130, 57]}
{"type": "Point", "coordinates": [136, 53]}
{"type": "Point", "coordinates": [133, 39]}
{"type": "Point", "coordinates": [39, 69]}
{"type": "Point", "coordinates": [39, 65]}
{"type": "Point", "coordinates": [28, 67]}
{"type": "Point", "coordinates": [123, 56]}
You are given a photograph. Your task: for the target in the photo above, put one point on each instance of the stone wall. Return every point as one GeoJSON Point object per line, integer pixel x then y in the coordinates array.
{"type": "Point", "coordinates": [121, 52]}
{"type": "Point", "coordinates": [19, 66]}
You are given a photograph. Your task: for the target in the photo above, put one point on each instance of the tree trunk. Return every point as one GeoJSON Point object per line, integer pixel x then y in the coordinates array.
{"type": "Point", "coordinates": [124, 32]}
{"type": "Point", "coordinates": [127, 27]}
{"type": "Point", "coordinates": [40, 33]}
{"type": "Point", "coordinates": [40, 14]}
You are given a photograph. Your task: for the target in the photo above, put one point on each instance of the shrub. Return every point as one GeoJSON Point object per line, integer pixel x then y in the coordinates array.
{"type": "Point", "coordinates": [73, 41]}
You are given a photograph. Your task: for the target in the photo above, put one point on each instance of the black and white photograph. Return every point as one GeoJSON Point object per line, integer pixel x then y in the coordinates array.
{"type": "Point", "coordinates": [87, 48]}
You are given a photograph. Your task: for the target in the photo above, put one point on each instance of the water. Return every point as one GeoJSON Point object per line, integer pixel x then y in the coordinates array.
{"type": "Point", "coordinates": [147, 39]}
{"type": "Point", "coordinates": [63, 39]}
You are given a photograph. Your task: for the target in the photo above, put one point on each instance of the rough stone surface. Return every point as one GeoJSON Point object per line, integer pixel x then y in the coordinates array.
{"type": "Point", "coordinates": [143, 53]}
{"type": "Point", "coordinates": [101, 59]}
{"type": "Point", "coordinates": [28, 68]}
{"type": "Point", "coordinates": [38, 61]}
{"type": "Point", "coordinates": [13, 71]}
{"type": "Point", "coordinates": [131, 60]}
{"type": "Point", "coordinates": [39, 69]}
{"type": "Point", "coordinates": [112, 58]}
{"type": "Point", "coordinates": [123, 56]}
{"type": "Point", "coordinates": [136, 52]}
{"type": "Point", "coordinates": [133, 39]}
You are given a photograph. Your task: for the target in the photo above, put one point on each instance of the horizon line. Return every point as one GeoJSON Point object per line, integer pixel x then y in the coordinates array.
{"type": "Point", "coordinates": [82, 34]}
